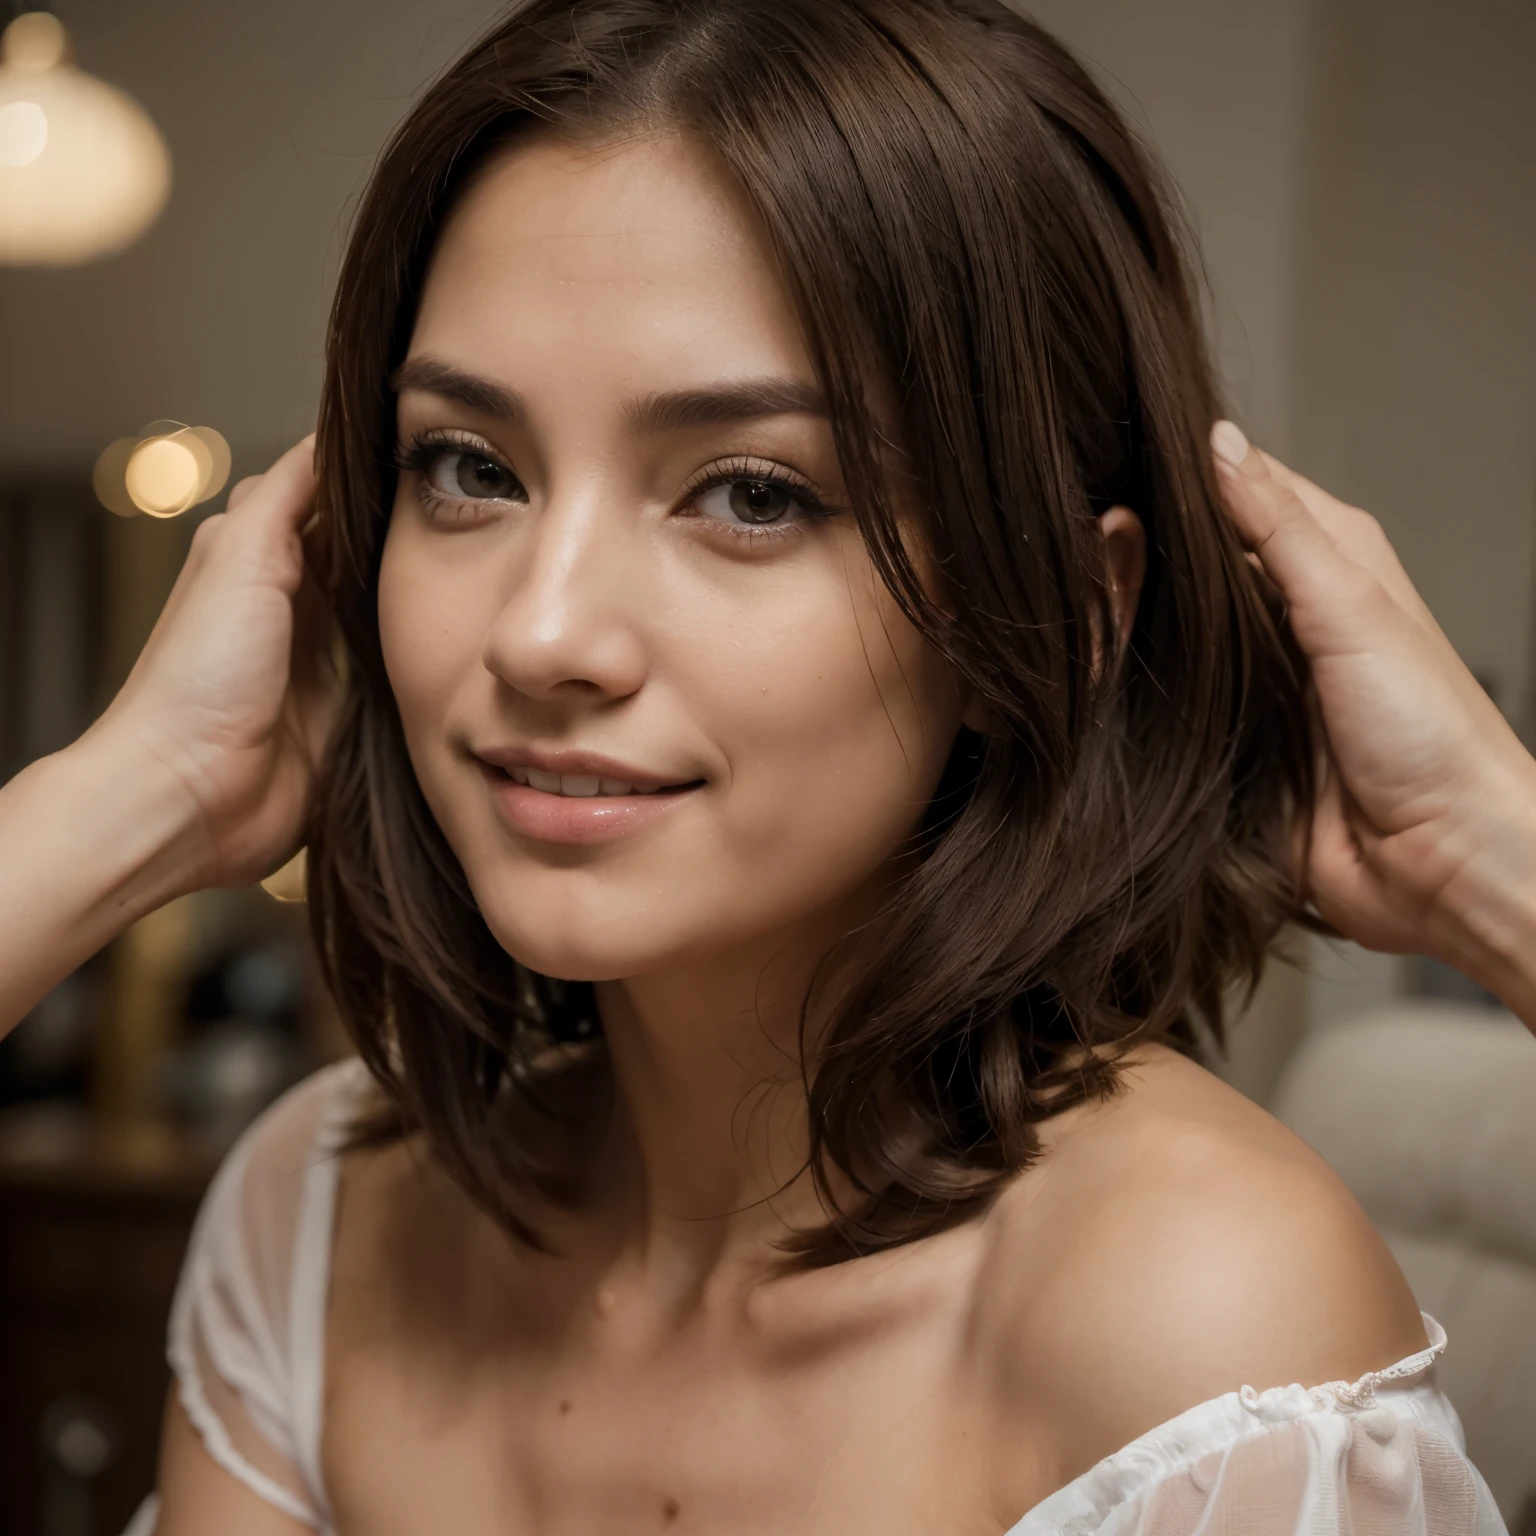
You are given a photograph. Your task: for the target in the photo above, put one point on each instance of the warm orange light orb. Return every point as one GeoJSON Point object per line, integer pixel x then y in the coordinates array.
{"type": "Point", "coordinates": [164, 471]}
{"type": "Point", "coordinates": [162, 477]}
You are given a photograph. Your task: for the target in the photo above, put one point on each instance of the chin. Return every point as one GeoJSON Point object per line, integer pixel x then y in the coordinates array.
{"type": "Point", "coordinates": [628, 935]}
{"type": "Point", "coordinates": [568, 946]}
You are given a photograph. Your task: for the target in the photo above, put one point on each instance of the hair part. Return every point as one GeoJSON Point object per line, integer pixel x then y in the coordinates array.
{"type": "Point", "coordinates": [962, 219]}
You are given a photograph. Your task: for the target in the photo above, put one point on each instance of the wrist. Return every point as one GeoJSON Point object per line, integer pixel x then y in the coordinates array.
{"type": "Point", "coordinates": [93, 838]}
{"type": "Point", "coordinates": [133, 820]}
{"type": "Point", "coordinates": [1486, 916]}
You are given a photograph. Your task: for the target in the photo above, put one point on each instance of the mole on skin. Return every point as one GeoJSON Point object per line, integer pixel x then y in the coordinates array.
{"type": "Point", "coordinates": [671, 1510]}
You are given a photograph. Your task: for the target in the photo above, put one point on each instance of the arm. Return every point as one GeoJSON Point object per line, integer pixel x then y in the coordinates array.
{"type": "Point", "coordinates": [199, 772]}
{"type": "Point", "coordinates": [1424, 839]}
{"type": "Point", "coordinates": [197, 1495]}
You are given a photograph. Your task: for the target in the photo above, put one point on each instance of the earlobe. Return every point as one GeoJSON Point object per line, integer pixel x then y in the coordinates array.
{"type": "Point", "coordinates": [1125, 565]}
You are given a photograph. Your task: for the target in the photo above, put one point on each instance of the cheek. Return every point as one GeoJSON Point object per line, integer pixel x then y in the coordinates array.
{"type": "Point", "coordinates": [838, 740]}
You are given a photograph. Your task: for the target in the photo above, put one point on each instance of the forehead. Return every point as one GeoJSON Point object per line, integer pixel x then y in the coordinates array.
{"type": "Point", "coordinates": [640, 251]}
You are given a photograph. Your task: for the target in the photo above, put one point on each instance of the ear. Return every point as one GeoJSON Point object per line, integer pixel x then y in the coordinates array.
{"type": "Point", "coordinates": [1125, 569]}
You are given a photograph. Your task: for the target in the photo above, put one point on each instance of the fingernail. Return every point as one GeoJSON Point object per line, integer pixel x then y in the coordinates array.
{"type": "Point", "coordinates": [1228, 443]}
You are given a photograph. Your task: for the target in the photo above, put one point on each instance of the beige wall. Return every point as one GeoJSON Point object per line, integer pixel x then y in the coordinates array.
{"type": "Point", "coordinates": [1416, 343]}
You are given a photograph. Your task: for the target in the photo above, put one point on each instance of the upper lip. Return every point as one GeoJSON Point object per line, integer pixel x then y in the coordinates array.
{"type": "Point", "coordinates": [574, 764]}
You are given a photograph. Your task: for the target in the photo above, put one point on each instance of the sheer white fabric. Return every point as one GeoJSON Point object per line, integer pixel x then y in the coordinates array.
{"type": "Point", "coordinates": [1383, 1456]}
{"type": "Point", "coordinates": [1376, 1457]}
{"type": "Point", "coordinates": [247, 1328]}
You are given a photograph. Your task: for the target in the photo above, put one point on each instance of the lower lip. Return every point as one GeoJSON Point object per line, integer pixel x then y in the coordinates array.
{"type": "Point", "coordinates": [586, 820]}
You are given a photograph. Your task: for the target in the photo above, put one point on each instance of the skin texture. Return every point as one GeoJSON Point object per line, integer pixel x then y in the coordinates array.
{"type": "Point", "coordinates": [1172, 1244]}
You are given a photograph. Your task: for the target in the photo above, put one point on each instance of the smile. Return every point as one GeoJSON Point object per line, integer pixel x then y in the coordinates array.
{"type": "Point", "coordinates": [575, 786]}
{"type": "Point", "coordinates": [607, 803]}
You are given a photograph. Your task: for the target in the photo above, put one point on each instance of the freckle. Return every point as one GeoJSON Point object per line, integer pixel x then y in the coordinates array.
{"type": "Point", "coordinates": [671, 1510]}
{"type": "Point", "coordinates": [565, 1405]}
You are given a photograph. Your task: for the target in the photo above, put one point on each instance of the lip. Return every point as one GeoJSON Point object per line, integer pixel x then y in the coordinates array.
{"type": "Point", "coordinates": [578, 764]}
{"type": "Point", "coordinates": [578, 820]}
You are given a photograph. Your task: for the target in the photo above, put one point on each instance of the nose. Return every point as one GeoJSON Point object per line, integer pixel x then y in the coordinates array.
{"type": "Point", "coordinates": [567, 628]}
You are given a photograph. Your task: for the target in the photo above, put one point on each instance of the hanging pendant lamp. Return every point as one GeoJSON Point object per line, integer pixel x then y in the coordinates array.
{"type": "Point", "coordinates": [83, 170]}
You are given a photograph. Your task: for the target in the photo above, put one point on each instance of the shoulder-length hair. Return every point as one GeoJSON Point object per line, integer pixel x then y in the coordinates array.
{"type": "Point", "coordinates": [958, 212]}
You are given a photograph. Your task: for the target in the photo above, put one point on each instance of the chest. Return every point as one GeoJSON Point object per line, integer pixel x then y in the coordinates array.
{"type": "Point", "coordinates": [457, 1403]}
{"type": "Point", "coordinates": [637, 1447]}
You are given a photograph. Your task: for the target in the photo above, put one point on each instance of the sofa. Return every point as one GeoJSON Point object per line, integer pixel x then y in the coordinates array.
{"type": "Point", "coordinates": [1427, 1110]}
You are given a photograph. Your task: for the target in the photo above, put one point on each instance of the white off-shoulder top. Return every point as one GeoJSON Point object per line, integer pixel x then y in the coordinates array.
{"type": "Point", "coordinates": [1382, 1456]}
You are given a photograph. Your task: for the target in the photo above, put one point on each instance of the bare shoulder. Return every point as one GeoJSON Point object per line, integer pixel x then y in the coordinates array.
{"type": "Point", "coordinates": [1176, 1243]}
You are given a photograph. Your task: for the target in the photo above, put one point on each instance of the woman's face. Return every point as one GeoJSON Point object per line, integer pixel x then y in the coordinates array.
{"type": "Point", "coordinates": [655, 695]}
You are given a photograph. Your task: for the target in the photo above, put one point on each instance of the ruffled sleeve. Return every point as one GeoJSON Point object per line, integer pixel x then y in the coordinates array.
{"type": "Point", "coordinates": [247, 1327]}
{"type": "Point", "coordinates": [1382, 1456]}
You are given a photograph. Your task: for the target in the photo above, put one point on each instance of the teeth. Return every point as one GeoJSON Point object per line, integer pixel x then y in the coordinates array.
{"type": "Point", "coordinates": [574, 785]}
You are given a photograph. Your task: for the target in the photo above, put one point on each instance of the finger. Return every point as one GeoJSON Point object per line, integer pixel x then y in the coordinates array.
{"type": "Point", "coordinates": [240, 490]}
{"type": "Point", "coordinates": [1294, 549]}
{"type": "Point", "coordinates": [284, 497]}
{"type": "Point", "coordinates": [1358, 535]}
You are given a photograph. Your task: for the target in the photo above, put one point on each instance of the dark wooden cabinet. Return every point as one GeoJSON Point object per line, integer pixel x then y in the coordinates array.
{"type": "Point", "coordinates": [92, 1232]}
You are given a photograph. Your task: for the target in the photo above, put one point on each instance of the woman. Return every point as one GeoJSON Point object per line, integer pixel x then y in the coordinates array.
{"type": "Point", "coordinates": [811, 758]}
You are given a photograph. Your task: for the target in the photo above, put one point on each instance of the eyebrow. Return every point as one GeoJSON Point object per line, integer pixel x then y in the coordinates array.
{"type": "Point", "coordinates": [671, 411]}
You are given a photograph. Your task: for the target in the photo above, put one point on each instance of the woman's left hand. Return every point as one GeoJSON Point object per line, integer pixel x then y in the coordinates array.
{"type": "Point", "coordinates": [1424, 839]}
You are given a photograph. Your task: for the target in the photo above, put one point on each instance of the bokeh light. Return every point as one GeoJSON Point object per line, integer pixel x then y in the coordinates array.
{"type": "Point", "coordinates": [83, 171]}
{"type": "Point", "coordinates": [162, 476]}
{"type": "Point", "coordinates": [36, 41]}
{"type": "Point", "coordinates": [166, 469]}
{"type": "Point", "coordinates": [23, 132]}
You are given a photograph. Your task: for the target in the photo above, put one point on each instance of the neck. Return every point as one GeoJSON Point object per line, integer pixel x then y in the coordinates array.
{"type": "Point", "coordinates": [710, 1133]}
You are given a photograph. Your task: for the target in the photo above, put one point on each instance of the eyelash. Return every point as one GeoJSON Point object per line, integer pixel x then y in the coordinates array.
{"type": "Point", "coordinates": [761, 472]}
{"type": "Point", "coordinates": [417, 458]}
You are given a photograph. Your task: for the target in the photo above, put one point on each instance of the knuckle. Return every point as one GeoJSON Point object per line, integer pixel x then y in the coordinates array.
{"type": "Point", "coordinates": [1366, 526]}
{"type": "Point", "coordinates": [208, 532]}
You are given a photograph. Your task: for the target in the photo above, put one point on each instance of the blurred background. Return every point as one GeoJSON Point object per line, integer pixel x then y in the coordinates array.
{"type": "Point", "coordinates": [1359, 174]}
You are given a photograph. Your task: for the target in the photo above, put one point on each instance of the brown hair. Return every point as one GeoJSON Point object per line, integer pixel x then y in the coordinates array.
{"type": "Point", "coordinates": [960, 213]}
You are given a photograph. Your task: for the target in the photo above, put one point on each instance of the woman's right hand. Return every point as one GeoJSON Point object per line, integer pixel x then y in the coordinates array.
{"type": "Point", "coordinates": [234, 695]}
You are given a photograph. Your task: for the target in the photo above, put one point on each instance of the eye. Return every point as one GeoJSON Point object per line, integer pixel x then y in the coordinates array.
{"type": "Point", "coordinates": [753, 503]}
{"type": "Point", "coordinates": [463, 473]}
